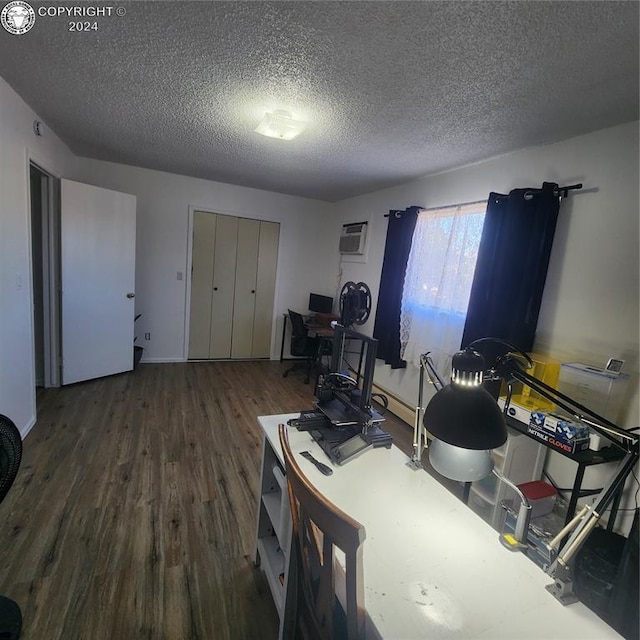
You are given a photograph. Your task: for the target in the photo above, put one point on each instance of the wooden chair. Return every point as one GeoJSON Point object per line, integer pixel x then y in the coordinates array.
{"type": "Point", "coordinates": [313, 610]}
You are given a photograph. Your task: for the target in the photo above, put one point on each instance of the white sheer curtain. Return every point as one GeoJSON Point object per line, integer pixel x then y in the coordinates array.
{"type": "Point", "coordinates": [438, 282]}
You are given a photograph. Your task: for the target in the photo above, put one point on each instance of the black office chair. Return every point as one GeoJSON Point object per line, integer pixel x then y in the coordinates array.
{"type": "Point", "coordinates": [302, 346]}
{"type": "Point", "coordinates": [10, 456]}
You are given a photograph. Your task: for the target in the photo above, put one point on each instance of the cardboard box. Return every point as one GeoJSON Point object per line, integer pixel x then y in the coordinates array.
{"type": "Point", "coordinates": [559, 432]}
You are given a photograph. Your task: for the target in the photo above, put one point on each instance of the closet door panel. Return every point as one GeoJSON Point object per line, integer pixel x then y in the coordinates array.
{"type": "Point", "coordinates": [222, 299]}
{"type": "Point", "coordinates": [245, 290]}
{"type": "Point", "coordinates": [204, 226]}
{"type": "Point", "coordinates": [265, 289]}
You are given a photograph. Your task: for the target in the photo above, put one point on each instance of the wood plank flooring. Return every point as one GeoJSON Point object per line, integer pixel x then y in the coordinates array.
{"type": "Point", "coordinates": [133, 514]}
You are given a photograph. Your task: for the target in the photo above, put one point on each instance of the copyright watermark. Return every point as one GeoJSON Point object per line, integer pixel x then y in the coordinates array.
{"type": "Point", "coordinates": [89, 11]}
{"type": "Point", "coordinates": [18, 17]}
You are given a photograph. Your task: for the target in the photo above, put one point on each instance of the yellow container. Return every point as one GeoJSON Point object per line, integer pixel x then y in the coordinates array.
{"type": "Point", "coordinates": [546, 370]}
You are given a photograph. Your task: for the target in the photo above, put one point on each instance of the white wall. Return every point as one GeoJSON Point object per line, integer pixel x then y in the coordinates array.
{"type": "Point", "coordinates": [18, 143]}
{"type": "Point", "coordinates": [590, 308]}
{"type": "Point", "coordinates": [163, 204]}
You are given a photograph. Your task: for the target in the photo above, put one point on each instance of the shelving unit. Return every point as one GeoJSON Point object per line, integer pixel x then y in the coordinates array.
{"type": "Point", "coordinates": [274, 525]}
{"type": "Point", "coordinates": [520, 459]}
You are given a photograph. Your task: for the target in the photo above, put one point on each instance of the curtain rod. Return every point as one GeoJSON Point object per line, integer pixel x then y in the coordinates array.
{"type": "Point", "coordinates": [447, 206]}
{"type": "Point", "coordinates": [563, 191]}
{"type": "Point", "coordinates": [558, 191]}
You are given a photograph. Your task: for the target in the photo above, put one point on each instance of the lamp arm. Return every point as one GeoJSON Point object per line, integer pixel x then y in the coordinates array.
{"type": "Point", "coordinates": [523, 520]}
{"type": "Point", "coordinates": [434, 377]}
{"type": "Point", "coordinates": [569, 527]}
{"type": "Point", "coordinates": [510, 348]}
{"type": "Point", "coordinates": [426, 364]}
{"type": "Point", "coordinates": [605, 498]}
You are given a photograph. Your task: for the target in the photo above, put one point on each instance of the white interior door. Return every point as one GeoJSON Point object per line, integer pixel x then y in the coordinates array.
{"type": "Point", "coordinates": [98, 236]}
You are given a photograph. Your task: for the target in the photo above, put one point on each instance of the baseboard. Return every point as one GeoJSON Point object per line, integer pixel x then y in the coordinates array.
{"type": "Point", "coordinates": [25, 430]}
{"type": "Point", "coordinates": [397, 406]}
{"type": "Point", "coordinates": [160, 360]}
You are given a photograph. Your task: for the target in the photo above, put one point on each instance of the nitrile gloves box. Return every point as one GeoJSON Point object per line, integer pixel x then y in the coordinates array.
{"type": "Point", "coordinates": [559, 432]}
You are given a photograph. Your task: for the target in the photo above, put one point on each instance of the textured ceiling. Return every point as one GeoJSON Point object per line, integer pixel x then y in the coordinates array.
{"type": "Point", "coordinates": [391, 90]}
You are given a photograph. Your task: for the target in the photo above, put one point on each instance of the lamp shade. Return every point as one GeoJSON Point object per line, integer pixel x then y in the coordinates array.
{"type": "Point", "coordinates": [466, 417]}
{"type": "Point", "coordinates": [463, 413]}
{"type": "Point", "coordinates": [464, 465]}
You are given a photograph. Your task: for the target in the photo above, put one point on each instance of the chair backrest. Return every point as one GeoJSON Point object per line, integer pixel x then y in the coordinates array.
{"type": "Point", "coordinates": [10, 454]}
{"type": "Point", "coordinates": [298, 334]}
{"type": "Point", "coordinates": [318, 526]}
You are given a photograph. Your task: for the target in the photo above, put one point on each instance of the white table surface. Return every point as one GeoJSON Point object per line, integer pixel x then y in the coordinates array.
{"type": "Point", "coordinates": [432, 567]}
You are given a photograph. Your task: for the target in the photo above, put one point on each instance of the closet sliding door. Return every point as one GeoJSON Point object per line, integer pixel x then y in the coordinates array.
{"type": "Point", "coordinates": [265, 288]}
{"type": "Point", "coordinates": [232, 286]}
{"type": "Point", "coordinates": [244, 305]}
{"type": "Point", "coordinates": [204, 227]}
{"type": "Point", "coordinates": [224, 266]}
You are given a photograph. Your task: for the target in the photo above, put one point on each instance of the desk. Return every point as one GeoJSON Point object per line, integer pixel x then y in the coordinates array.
{"type": "Point", "coordinates": [432, 567]}
{"type": "Point", "coordinates": [320, 330]}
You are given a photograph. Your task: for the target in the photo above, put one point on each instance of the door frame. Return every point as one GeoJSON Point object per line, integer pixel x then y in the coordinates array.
{"type": "Point", "coordinates": [51, 269]}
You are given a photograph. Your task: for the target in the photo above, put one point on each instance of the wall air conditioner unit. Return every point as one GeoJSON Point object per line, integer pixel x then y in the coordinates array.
{"type": "Point", "coordinates": [353, 238]}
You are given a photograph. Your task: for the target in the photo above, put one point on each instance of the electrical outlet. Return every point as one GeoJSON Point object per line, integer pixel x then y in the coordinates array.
{"type": "Point", "coordinates": [147, 336]}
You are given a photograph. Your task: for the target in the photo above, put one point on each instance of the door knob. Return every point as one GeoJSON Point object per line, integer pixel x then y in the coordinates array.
{"type": "Point", "coordinates": [131, 295]}
{"type": "Point", "coordinates": [253, 290]}
{"type": "Point", "coordinates": [215, 288]}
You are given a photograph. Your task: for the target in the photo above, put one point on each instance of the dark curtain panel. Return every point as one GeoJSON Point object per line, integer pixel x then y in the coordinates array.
{"type": "Point", "coordinates": [512, 266]}
{"type": "Point", "coordinates": [396, 253]}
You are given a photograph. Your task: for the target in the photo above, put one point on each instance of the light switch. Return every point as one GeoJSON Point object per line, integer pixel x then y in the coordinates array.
{"type": "Point", "coordinates": [179, 275]}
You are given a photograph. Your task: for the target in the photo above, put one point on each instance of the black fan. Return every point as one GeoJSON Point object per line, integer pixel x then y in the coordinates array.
{"type": "Point", "coordinates": [355, 304]}
{"type": "Point", "coordinates": [10, 456]}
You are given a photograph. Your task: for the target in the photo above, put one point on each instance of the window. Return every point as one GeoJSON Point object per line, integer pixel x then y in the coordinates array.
{"type": "Point", "coordinates": [438, 282]}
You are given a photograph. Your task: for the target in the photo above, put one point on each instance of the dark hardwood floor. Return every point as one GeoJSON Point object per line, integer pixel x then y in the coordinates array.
{"type": "Point", "coordinates": [133, 514]}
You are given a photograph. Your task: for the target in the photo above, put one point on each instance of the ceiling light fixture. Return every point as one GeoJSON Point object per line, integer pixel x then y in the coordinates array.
{"type": "Point", "coordinates": [280, 124]}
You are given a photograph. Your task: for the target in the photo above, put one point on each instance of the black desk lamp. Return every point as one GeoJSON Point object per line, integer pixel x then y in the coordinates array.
{"type": "Point", "coordinates": [463, 414]}
{"type": "Point", "coordinates": [452, 459]}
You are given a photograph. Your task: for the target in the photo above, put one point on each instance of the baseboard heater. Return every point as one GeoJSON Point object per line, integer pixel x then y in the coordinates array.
{"type": "Point", "coordinates": [397, 406]}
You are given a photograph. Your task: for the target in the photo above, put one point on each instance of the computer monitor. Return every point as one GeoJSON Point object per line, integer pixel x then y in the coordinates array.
{"type": "Point", "coordinates": [319, 303]}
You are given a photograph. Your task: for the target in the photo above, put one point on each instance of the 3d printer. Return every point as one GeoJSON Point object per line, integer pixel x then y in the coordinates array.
{"type": "Point", "coordinates": [345, 424]}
